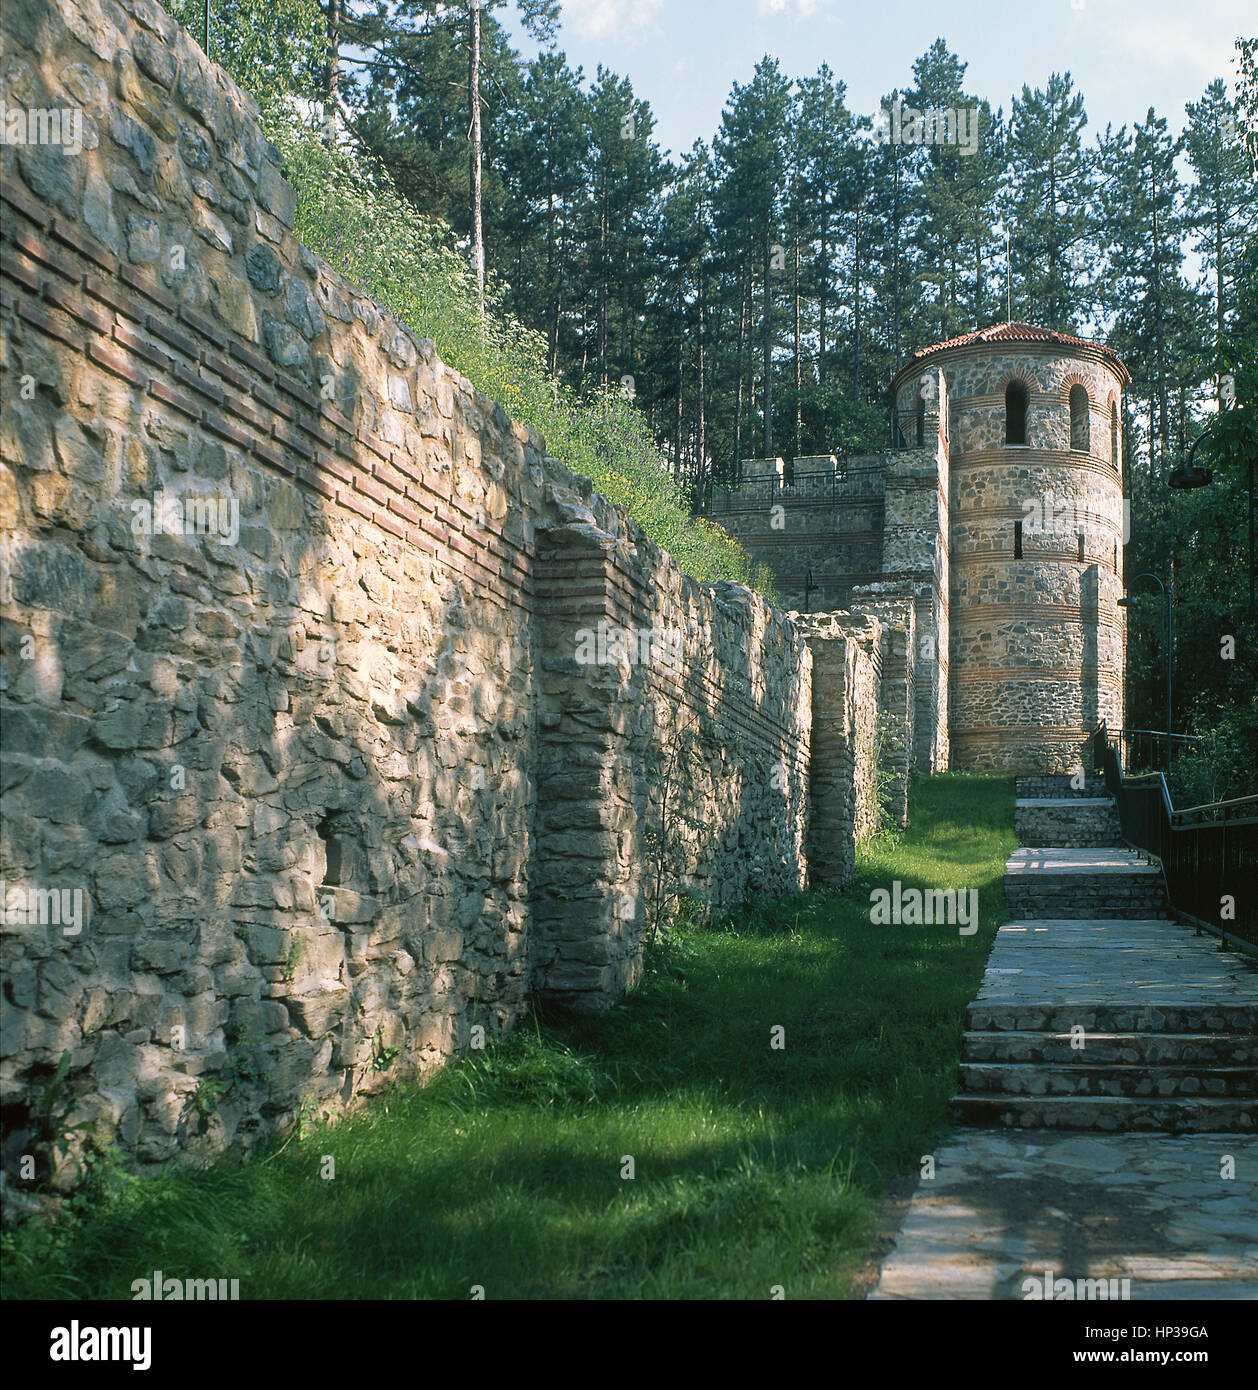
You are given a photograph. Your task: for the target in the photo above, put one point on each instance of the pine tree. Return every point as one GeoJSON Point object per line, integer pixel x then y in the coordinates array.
{"type": "Point", "coordinates": [751, 150]}
{"type": "Point", "coordinates": [1156, 315]}
{"type": "Point", "coordinates": [536, 236]}
{"type": "Point", "coordinates": [1222, 204]}
{"type": "Point", "coordinates": [1047, 205]}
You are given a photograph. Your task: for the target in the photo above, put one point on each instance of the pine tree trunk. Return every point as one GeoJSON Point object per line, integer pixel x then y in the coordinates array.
{"type": "Point", "coordinates": [768, 350]}
{"type": "Point", "coordinates": [681, 337]}
{"type": "Point", "coordinates": [1218, 267]}
{"type": "Point", "coordinates": [744, 295]}
{"type": "Point", "coordinates": [473, 96]}
{"type": "Point", "coordinates": [333, 72]}
{"type": "Point", "coordinates": [799, 374]}
{"type": "Point", "coordinates": [602, 289]}
{"type": "Point", "coordinates": [702, 443]}
{"type": "Point", "coordinates": [856, 310]}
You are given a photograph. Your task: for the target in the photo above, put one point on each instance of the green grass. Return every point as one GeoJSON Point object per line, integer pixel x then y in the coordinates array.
{"type": "Point", "coordinates": [754, 1167]}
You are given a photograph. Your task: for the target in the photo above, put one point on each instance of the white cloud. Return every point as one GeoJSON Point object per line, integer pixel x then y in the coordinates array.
{"type": "Point", "coordinates": [1156, 40]}
{"type": "Point", "coordinates": [799, 9]}
{"type": "Point", "coordinates": [630, 21]}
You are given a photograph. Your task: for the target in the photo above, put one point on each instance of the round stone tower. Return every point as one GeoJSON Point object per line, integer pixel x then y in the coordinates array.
{"type": "Point", "coordinates": [1036, 522]}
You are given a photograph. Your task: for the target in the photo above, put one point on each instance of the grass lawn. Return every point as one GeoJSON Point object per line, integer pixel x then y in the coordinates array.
{"type": "Point", "coordinates": [753, 1166]}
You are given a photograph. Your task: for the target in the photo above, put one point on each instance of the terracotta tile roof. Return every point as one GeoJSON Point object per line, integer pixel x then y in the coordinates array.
{"type": "Point", "coordinates": [1016, 333]}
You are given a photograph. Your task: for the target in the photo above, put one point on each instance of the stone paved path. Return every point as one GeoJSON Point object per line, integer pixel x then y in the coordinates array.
{"type": "Point", "coordinates": [1155, 1209]}
{"type": "Point", "coordinates": [1083, 967]}
{"type": "Point", "coordinates": [1060, 1177]}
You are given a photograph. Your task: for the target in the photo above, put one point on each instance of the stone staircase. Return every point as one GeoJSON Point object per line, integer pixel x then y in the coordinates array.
{"type": "Point", "coordinates": [1064, 884]}
{"type": "Point", "coordinates": [1096, 1011]}
{"type": "Point", "coordinates": [1068, 822]}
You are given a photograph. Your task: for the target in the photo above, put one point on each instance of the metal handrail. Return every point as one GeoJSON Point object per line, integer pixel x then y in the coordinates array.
{"type": "Point", "coordinates": [1247, 806]}
{"type": "Point", "coordinates": [841, 485]}
{"type": "Point", "coordinates": [1158, 745]}
{"type": "Point", "coordinates": [1161, 733]}
{"type": "Point", "coordinates": [1209, 863]}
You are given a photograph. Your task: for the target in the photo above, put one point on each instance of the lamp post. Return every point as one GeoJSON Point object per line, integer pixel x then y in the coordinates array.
{"type": "Point", "coordinates": [809, 586]}
{"type": "Point", "coordinates": [1168, 594]}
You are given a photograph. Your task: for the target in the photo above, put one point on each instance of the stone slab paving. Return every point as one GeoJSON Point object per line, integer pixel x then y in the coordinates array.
{"type": "Point", "coordinates": [1084, 862]}
{"type": "Point", "coordinates": [1004, 1207]}
{"type": "Point", "coordinates": [1174, 1214]}
{"type": "Point", "coordinates": [1107, 961]}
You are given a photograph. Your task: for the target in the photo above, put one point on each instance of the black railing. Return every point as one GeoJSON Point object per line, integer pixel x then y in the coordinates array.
{"type": "Point", "coordinates": [1209, 854]}
{"type": "Point", "coordinates": [1146, 749]}
{"type": "Point", "coordinates": [911, 430]}
{"type": "Point", "coordinates": [821, 485]}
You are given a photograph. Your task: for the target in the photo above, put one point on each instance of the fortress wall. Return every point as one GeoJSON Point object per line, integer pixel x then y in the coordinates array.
{"type": "Point", "coordinates": [683, 774]}
{"type": "Point", "coordinates": [291, 623]}
{"type": "Point", "coordinates": [847, 671]}
{"type": "Point", "coordinates": [916, 551]}
{"type": "Point", "coordinates": [894, 605]}
{"type": "Point", "coordinates": [834, 530]}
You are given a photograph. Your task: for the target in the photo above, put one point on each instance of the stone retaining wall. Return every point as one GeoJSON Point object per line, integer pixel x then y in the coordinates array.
{"type": "Point", "coordinates": [308, 717]}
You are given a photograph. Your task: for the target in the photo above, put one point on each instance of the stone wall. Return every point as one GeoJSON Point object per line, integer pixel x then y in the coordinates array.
{"type": "Point", "coordinates": [306, 717]}
{"type": "Point", "coordinates": [846, 672]}
{"type": "Point", "coordinates": [895, 606]}
{"type": "Point", "coordinates": [663, 776]}
{"type": "Point", "coordinates": [916, 551]}
{"type": "Point", "coordinates": [811, 517]}
{"type": "Point", "coordinates": [869, 527]}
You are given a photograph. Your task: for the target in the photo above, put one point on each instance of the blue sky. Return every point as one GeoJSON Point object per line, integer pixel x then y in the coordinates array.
{"type": "Point", "coordinates": [1124, 55]}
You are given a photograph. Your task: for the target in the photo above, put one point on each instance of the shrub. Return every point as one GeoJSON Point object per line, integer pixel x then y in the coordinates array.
{"type": "Point", "coordinates": [349, 212]}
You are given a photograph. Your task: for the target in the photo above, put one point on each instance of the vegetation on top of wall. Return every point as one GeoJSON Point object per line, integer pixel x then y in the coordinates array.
{"type": "Point", "coordinates": [353, 216]}
{"type": "Point", "coordinates": [350, 211]}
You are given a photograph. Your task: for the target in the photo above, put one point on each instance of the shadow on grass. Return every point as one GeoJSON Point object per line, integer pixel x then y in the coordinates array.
{"type": "Point", "coordinates": [767, 1079]}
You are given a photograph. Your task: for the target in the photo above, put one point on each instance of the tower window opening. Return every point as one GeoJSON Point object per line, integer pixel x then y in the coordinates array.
{"type": "Point", "coordinates": [1015, 413]}
{"type": "Point", "coordinates": [1113, 433]}
{"type": "Point", "coordinates": [1082, 556]}
{"type": "Point", "coordinates": [1079, 423]}
{"type": "Point", "coordinates": [1017, 540]}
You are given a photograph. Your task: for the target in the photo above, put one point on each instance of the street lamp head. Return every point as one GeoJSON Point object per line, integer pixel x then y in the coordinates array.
{"type": "Point", "coordinates": [1189, 475]}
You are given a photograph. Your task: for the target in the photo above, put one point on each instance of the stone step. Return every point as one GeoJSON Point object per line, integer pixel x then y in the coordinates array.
{"type": "Point", "coordinates": [1082, 882]}
{"type": "Point", "coordinates": [1174, 1115]}
{"type": "Point", "coordinates": [1111, 934]}
{"type": "Point", "coordinates": [1067, 822]}
{"type": "Point", "coordinates": [1064, 862]}
{"type": "Point", "coordinates": [1101, 1079]}
{"type": "Point", "coordinates": [1131, 1049]}
{"type": "Point", "coordinates": [1059, 785]}
{"type": "Point", "coordinates": [1160, 1016]}
{"type": "Point", "coordinates": [1118, 900]}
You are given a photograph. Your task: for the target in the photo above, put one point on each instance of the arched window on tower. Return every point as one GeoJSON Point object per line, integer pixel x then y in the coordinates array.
{"type": "Point", "coordinates": [1113, 433]}
{"type": "Point", "coordinates": [1079, 424]}
{"type": "Point", "coordinates": [1015, 413]}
